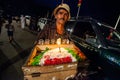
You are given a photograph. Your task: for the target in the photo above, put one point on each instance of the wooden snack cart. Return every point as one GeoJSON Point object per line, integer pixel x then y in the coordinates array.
{"type": "Point", "coordinates": [51, 72]}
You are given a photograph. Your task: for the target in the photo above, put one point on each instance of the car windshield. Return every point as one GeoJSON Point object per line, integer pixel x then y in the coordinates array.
{"type": "Point", "coordinates": [85, 31]}
{"type": "Point", "coordinates": [111, 35]}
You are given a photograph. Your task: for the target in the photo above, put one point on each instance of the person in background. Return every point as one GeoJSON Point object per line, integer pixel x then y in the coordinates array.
{"type": "Point", "coordinates": [10, 30]}
{"type": "Point", "coordinates": [22, 18]}
{"type": "Point", "coordinates": [56, 29]}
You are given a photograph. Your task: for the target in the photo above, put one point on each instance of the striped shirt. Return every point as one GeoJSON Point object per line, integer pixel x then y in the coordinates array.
{"type": "Point", "coordinates": [50, 32]}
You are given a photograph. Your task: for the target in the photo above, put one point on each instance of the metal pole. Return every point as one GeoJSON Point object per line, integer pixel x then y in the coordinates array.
{"type": "Point", "coordinates": [62, 1]}
{"type": "Point", "coordinates": [48, 14]}
{"type": "Point", "coordinates": [78, 13]}
{"type": "Point", "coordinates": [117, 22]}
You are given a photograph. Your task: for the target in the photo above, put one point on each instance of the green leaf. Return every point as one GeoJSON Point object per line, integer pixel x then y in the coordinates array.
{"type": "Point", "coordinates": [72, 52]}
{"type": "Point", "coordinates": [36, 60]}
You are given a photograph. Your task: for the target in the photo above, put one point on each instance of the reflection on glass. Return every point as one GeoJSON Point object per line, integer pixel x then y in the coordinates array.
{"type": "Point", "coordinates": [41, 41]}
{"type": "Point", "coordinates": [64, 41]}
{"type": "Point", "coordinates": [52, 41]}
{"type": "Point", "coordinates": [68, 42]}
{"type": "Point", "coordinates": [47, 41]}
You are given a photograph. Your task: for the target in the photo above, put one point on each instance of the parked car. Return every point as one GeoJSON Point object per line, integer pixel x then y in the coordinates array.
{"type": "Point", "coordinates": [27, 20]}
{"type": "Point", "coordinates": [100, 43]}
{"type": "Point", "coordinates": [41, 23]}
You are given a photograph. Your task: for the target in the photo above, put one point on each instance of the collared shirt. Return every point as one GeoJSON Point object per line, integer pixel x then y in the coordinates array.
{"type": "Point", "coordinates": [50, 32]}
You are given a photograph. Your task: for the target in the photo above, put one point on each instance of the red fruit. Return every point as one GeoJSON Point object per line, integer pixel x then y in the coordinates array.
{"type": "Point", "coordinates": [55, 61]}
{"type": "Point", "coordinates": [47, 62]}
{"type": "Point", "coordinates": [47, 56]}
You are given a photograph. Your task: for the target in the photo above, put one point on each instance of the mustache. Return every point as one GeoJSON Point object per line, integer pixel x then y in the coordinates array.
{"type": "Point", "coordinates": [61, 19]}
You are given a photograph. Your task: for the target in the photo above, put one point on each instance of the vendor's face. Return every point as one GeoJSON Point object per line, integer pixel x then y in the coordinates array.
{"type": "Point", "coordinates": [61, 16]}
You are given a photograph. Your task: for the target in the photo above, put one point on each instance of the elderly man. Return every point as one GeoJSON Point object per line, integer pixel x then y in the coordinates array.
{"type": "Point", "coordinates": [55, 30]}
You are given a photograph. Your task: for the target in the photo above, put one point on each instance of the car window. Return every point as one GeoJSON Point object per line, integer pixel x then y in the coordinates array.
{"type": "Point", "coordinates": [82, 28]}
{"type": "Point", "coordinates": [111, 35]}
{"type": "Point", "coordinates": [85, 31]}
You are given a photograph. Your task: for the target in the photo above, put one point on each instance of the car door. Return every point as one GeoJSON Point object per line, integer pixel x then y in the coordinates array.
{"type": "Point", "coordinates": [84, 36]}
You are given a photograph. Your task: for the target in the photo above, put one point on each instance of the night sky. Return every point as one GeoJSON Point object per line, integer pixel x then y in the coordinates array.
{"type": "Point", "coordinates": [103, 10]}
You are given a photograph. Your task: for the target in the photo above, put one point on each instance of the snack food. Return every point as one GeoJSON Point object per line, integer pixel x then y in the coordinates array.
{"type": "Point", "coordinates": [55, 56]}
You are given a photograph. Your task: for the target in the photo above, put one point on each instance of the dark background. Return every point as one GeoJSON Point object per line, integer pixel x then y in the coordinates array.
{"type": "Point", "coordinates": [104, 10]}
